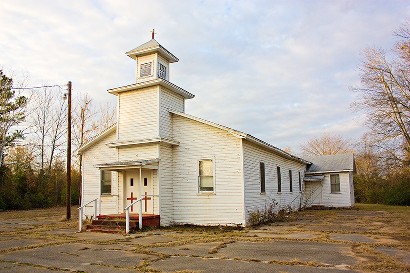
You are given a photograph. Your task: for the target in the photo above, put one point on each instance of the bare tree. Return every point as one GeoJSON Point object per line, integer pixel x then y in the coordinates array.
{"type": "Point", "coordinates": [326, 145]}
{"type": "Point", "coordinates": [48, 114]}
{"type": "Point", "coordinates": [107, 117]}
{"type": "Point", "coordinates": [385, 95]}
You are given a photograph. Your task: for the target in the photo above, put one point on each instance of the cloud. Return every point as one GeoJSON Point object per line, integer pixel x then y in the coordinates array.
{"type": "Point", "coordinates": [279, 70]}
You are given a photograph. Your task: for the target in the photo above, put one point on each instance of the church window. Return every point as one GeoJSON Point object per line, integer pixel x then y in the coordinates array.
{"type": "Point", "coordinates": [279, 179]}
{"type": "Point", "coordinates": [105, 182]}
{"type": "Point", "coordinates": [262, 176]}
{"type": "Point", "coordinates": [145, 181]}
{"type": "Point", "coordinates": [334, 183]}
{"type": "Point", "coordinates": [162, 71]}
{"type": "Point", "coordinates": [206, 175]}
{"type": "Point", "coordinates": [290, 181]}
{"type": "Point", "coordinates": [146, 69]}
{"type": "Point", "coordinates": [132, 182]}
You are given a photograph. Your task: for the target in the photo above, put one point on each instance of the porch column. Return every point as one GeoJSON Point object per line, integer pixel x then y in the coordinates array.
{"type": "Point", "coordinates": [140, 213]}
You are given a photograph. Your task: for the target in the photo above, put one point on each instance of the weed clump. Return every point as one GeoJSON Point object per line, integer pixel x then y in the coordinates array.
{"type": "Point", "coordinates": [270, 214]}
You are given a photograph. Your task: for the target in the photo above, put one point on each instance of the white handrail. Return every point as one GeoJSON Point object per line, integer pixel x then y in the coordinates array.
{"type": "Point", "coordinates": [127, 212]}
{"type": "Point", "coordinates": [80, 211]}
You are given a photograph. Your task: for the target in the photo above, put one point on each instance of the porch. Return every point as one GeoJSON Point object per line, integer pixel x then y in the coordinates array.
{"type": "Point", "coordinates": [116, 223]}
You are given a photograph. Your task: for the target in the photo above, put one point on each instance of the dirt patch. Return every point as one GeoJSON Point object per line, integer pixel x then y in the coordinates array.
{"type": "Point", "coordinates": [370, 238]}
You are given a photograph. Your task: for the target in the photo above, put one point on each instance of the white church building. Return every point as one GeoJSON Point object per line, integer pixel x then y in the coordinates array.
{"type": "Point", "coordinates": [188, 170]}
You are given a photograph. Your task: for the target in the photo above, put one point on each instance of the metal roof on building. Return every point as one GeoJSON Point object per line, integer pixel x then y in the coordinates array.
{"type": "Point", "coordinates": [149, 47]}
{"type": "Point", "coordinates": [331, 163]}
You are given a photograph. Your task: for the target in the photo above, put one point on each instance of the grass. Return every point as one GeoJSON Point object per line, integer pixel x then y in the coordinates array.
{"type": "Point", "coordinates": [381, 207]}
{"type": "Point", "coordinates": [371, 220]}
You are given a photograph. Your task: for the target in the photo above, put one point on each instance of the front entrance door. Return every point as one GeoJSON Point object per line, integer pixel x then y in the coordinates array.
{"type": "Point", "coordinates": [132, 190]}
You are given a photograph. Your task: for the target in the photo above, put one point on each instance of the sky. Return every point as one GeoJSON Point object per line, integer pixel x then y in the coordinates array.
{"type": "Point", "coordinates": [281, 71]}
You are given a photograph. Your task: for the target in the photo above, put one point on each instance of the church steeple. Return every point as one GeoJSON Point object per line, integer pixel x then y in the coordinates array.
{"type": "Point", "coordinates": [152, 60]}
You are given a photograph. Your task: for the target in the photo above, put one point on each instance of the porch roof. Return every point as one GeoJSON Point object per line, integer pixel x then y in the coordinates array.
{"type": "Point", "coordinates": [313, 178]}
{"type": "Point", "coordinates": [129, 164]}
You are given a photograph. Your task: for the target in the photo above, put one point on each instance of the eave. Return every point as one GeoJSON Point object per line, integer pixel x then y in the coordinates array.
{"type": "Point", "coordinates": [242, 135]}
{"type": "Point", "coordinates": [145, 84]}
{"type": "Point", "coordinates": [127, 143]}
{"type": "Point", "coordinates": [97, 138]}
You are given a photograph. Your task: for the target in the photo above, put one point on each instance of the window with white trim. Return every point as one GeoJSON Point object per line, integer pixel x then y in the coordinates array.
{"type": "Point", "coordinates": [206, 175]}
{"type": "Point", "coordinates": [105, 182]}
{"type": "Point", "coordinates": [334, 183]}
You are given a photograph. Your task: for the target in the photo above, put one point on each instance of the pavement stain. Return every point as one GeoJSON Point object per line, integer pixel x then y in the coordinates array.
{"type": "Point", "coordinates": [370, 240]}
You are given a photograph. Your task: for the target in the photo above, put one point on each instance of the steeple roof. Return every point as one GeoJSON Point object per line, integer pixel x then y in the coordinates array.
{"type": "Point", "coordinates": [150, 47]}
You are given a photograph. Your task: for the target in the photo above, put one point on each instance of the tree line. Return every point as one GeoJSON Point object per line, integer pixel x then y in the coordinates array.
{"type": "Point", "coordinates": [33, 135]}
{"type": "Point", "coordinates": [383, 153]}
{"type": "Point", "coordinates": [33, 138]}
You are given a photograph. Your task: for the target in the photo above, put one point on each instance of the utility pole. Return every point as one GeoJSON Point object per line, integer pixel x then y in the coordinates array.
{"type": "Point", "coordinates": [68, 192]}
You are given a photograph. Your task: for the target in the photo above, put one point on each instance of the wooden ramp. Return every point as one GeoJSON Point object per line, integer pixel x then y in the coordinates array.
{"type": "Point", "coordinates": [115, 223]}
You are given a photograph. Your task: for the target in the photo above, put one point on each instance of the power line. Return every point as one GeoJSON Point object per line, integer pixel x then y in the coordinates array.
{"type": "Point", "coordinates": [36, 87]}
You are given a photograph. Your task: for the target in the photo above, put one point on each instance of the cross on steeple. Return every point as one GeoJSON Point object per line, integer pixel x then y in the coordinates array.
{"type": "Point", "coordinates": [152, 33]}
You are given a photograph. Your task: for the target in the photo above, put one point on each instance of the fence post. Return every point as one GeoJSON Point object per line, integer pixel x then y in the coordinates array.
{"type": "Point", "coordinates": [80, 219]}
{"type": "Point", "coordinates": [127, 220]}
{"type": "Point", "coordinates": [140, 216]}
{"type": "Point", "coordinates": [95, 209]}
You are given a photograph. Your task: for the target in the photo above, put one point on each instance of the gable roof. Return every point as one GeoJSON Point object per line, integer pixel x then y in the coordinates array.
{"type": "Point", "coordinates": [150, 47]}
{"type": "Point", "coordinates": [331, 163]}
{"type": "Point", "coordinates": [97, 138]}
{"type": "Point", "coordinates": [242, 135]}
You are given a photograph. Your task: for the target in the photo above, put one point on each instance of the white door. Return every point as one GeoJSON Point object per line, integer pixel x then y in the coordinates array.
{"type": "Point", "coordinates": [132, 190]}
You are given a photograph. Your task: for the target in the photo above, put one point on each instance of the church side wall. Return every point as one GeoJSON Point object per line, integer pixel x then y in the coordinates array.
{"type": "Point", "coordinates": [165, 173]}
{"type": "Point", "coordinates": [169, 101]}
{"type": "Point", "coordinates": [200, 141]}
{"type": "Point", "coordinates": [254, 199]}
{"type": "Point", "coordinates": [138, 114]}
{"type": "Point", "coordinates": [99, 153]}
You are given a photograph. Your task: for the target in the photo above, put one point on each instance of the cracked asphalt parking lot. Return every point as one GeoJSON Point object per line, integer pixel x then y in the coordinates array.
{"type": "Point", "coordinates": [368, 238]}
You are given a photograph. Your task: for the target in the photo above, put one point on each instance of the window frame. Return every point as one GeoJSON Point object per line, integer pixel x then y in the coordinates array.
{"type": "Point", "coordinates": [262, 177]}
{"type": "Point", "coordinates": [290, 181]}
{"type": "Point", "coordinates": [278, 173]}
{"type": "Point", "coordinates": [332, 185]}
{"type": "Point", "coordinates": [200, 191]}
{"type": "Point", "coordinates": [151, 66]}
{"type": "Point", "coordinates": [162, 74]}
{"type": "Point", "coordinates": [102, 184]}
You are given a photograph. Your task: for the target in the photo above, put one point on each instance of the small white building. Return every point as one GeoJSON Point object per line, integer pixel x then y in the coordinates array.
{"type": "Point", "coordinates": [329, 181]}
{"type": "Point", "coordinates": [190, 170]}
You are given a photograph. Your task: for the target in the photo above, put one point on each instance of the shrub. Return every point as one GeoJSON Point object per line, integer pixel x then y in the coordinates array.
{"type": "Point", "coordinates": [269, 214]}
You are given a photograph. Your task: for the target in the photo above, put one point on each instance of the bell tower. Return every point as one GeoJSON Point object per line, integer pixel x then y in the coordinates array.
{"type": "Point", "coordinates": [152, 61]}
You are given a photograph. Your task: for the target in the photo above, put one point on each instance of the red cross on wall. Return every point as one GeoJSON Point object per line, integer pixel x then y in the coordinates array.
{"type": "Point", "coordinates": [146, 201]}
{"type": "Point", "coordinates": [132, 199]}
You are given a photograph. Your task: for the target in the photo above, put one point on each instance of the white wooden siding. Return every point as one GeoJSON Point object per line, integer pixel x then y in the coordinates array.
{"type": "Point", "coordinates": [169, 101]}
{"type": "Point", "coordinates": [199, 141]}
{"type": "Point", "coordinates": [342, 199]}
{"type": "Point", "coordinates": [252, 156]}
{"type": "Point", "coordinates": [147, 151]}
{"type": "Point", "coordinates": [138, 114]}
{"type": "Point", "coordinates": [165, 178]}
{"type": "Point", "coordinates": [312, 194]}
{"type": "Point", "coordinates": [99, 153]}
